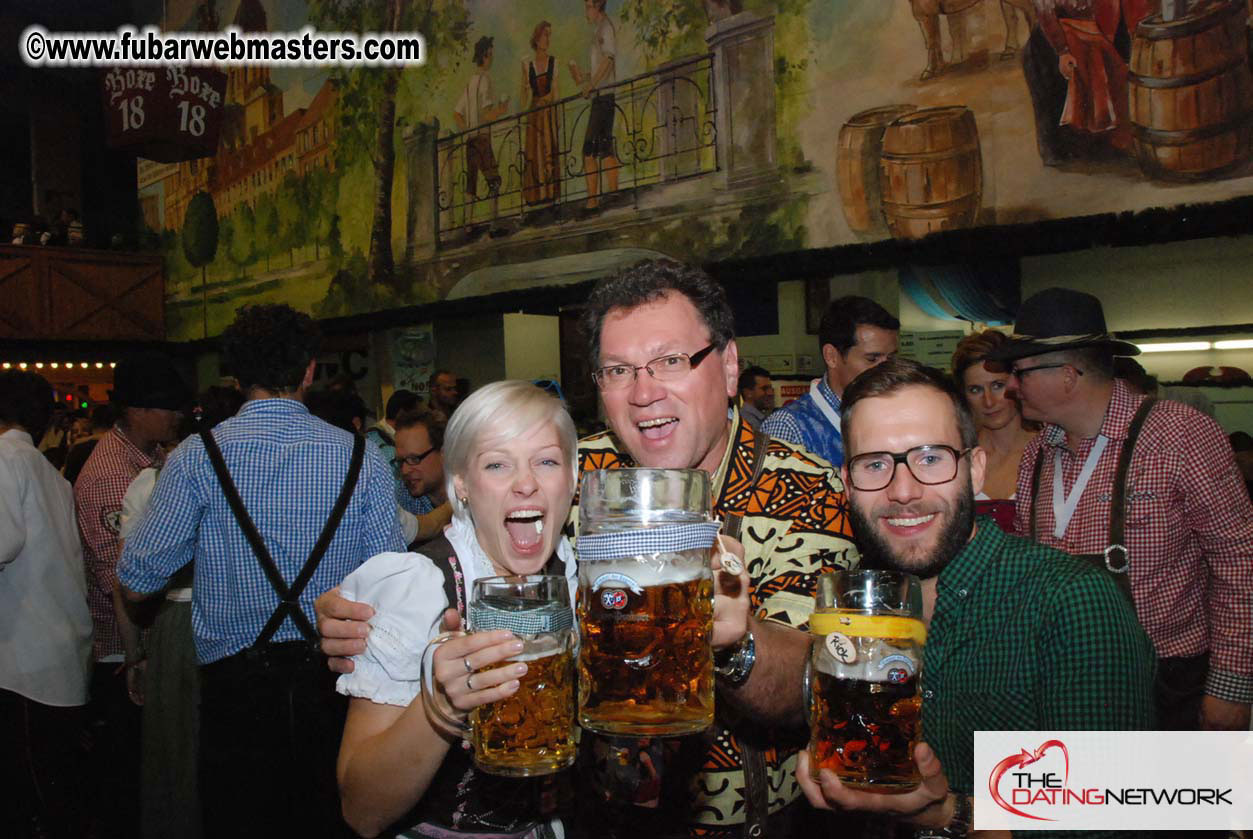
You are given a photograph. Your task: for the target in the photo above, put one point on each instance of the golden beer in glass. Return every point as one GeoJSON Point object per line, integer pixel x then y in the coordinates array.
{"type": "Point", "coordinates": [645, 617]}
{"type": "Point", "coordinates": [531, 732]}
{"type": "Point", "coordinates": [863, 679]}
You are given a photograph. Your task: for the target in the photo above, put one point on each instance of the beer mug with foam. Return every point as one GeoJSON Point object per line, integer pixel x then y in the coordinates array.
{"type": "Point", "coordinates": [645, 604]}
{"type": "Point", "coordinates": [862, 678]}
{"type": "Point", "coordinates": [532, 731]}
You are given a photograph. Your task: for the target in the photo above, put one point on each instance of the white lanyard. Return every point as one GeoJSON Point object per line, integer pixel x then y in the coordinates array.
{"type": "Point", "coordinates": [1064, 506]}
{"type": "Point", "coordinates": [823, 405]}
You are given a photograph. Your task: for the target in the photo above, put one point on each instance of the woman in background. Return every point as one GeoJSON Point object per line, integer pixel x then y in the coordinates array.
{"type": "Point", "coordinates": [1003, 433]}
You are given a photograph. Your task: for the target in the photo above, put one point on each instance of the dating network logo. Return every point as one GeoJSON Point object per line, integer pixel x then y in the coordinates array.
{"type": "Point", "coordinates": [1039, 779]}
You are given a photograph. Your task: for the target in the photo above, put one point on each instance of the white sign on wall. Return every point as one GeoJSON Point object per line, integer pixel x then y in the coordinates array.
{"type": "Point", "coordinates": [413, 357]}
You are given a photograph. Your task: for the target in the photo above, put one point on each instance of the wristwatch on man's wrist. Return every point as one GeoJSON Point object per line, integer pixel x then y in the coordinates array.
{"type": "Point", "coordinates": [958, 826]}
{"type": "Point", "coordinates": [733, 664]}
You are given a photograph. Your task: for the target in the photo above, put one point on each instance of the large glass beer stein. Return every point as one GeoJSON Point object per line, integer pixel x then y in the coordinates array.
{"type": "Point", "coordinates": [532, 731]}
{"type": "Point", "coordinates": [863, 675]}
{"type": "Point", "coordinates": [645, 604]}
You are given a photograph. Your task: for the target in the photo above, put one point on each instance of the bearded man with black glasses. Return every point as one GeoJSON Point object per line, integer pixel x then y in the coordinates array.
{"type": "Point", "coordinates": [1021, 637]}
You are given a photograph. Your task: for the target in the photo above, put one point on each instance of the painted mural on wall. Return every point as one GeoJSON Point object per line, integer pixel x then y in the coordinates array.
{"type": "Point", "coordinates": [545, 142]}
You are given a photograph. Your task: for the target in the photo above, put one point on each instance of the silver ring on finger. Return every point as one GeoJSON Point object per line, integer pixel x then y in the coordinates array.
{"type": "Point", "coordinates": [469, 684]}
{"type": "Point", "coordinates": [466, 662]}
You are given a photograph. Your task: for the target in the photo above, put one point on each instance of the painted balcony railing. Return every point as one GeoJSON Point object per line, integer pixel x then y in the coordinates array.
{"type": "Point", "coordinates": [562, 161]}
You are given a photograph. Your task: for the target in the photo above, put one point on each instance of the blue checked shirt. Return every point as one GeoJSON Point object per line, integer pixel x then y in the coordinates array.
{"type": "Point", "coordinates": [289, 467]}
{"type": "Point", "coordinates": [801, 422]}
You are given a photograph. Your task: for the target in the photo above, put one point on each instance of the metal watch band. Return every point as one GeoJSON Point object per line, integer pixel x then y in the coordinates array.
{"type": "Point", "coordinates": [734, 664]}
{"type": "Point", "coordinates": [958, 826]}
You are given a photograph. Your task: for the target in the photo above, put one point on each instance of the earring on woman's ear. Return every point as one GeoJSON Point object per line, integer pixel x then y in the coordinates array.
{"type": "Point", "coordinates": [465, 500]}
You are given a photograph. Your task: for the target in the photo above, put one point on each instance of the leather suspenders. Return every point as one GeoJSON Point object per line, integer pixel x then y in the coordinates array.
{"type": "Point", "coordinates": [289, 598]}
{"type": "Point", "coordinates": [1114, 558]}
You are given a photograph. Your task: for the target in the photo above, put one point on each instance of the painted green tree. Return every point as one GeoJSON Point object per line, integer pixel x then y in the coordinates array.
{"type": "Point", "coordinates": [242, 249]}
{"type": "Point", "coordinates": [265, 234]}
{"type": "Point", "coordinates": [200, 242]}
{"type": "Point", "coordinates": [294, 214]}
{"type": "Point", "coordinates": [321, 191]}
{"type": "Point", "coordinates": [367, 100]}
{"type": "Point", "coordinates": [666, 30]}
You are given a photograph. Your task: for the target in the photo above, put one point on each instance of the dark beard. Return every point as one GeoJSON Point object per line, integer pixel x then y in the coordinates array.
{"type": "Point", "coordinates": [875, 553]}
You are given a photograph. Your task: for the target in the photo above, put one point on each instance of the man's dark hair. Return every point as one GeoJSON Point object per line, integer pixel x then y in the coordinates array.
{"type": "Point", "coordinates": [103, 416]}
{"type": "Point", "coordinates": [217, 403]}
{"type": "Point", "coordinates": [337, 407]}
{"type": "Point", "coordinates": [897, 373]}
{"type": "Point", "coordinates": [748, 379]}
{"type": "Point", "coordinates": [430, 381]}
{"type": "Point", "coordinates": [25, 400]}
{"type": "Point", "coordinates": [1134, 374]}
{"type": "Point", "coordinates": [399, 402]}
{"type": "Point", "coordinates": [428, 419]}
{"type": "Point", "coordinates": [481, 48]}
{"type": "Point", "coordinates": [270, 346]}
{"type": "Point", "coordinates": [842, 317]}
{"type": "Point", "coordinates": [648, 282]}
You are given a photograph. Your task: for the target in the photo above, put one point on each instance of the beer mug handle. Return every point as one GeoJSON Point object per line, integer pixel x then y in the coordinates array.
{"type": "Point", "coordinates": [438, 709]}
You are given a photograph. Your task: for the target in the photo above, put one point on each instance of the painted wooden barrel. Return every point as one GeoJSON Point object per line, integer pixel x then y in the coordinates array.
{"type": "Point", "coordinates": [931, 172]}
{"type": "Point", "coordinates": [857, 166]}
{"type": "Point", "coordinates": [1191, 93]}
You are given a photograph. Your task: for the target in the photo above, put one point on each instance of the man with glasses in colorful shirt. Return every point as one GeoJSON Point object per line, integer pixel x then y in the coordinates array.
{"type": "Point", "coordinates": [1187, 525]}
{"type": "Point", "coordinates": [1020, 637]}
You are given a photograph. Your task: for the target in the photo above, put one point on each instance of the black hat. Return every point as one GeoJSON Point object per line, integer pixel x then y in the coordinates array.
{"type": "Point", "coordinates": [149, 381]}
{"type": "Point", "coordinates": [1059, 319]}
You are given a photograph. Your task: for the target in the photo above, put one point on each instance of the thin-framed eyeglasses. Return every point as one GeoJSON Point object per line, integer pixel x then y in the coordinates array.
{"type": "Point", "coordinates": [666, 368]}
{"type": "Point", "coordinates": [412, 459]}
{"type": "Point", "coordinates": [1021, 372]}
{"type": "Point", "coordinates": [929, 465]}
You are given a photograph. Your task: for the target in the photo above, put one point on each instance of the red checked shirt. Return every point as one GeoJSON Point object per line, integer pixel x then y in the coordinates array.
{"type": "Point", "coordinates": [98, 494]}
{"type": "Point", "coordinates": [1189, 530]}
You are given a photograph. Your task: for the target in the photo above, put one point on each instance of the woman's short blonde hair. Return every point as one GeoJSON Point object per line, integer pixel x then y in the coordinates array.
{"type": "Point", "coordinates": [509, 408]}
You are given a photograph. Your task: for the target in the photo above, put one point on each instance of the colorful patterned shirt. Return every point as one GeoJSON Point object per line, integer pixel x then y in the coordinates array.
{"type": "Point", "coordinates": [804, 423]}
{"type": "Point", "coordinates": [1026, 638]}
{"type": "Point", "coordinates": [289, 467]}
{"type": "Point", "coordinates": [1189, 530]}
{"type": "Point", "coordinates": [98, 494]}
{"type": "Point", "coordinates": [795, 527]}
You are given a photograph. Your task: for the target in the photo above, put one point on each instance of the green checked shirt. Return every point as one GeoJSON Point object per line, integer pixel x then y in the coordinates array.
{"type": "Point", "coordinates": [1024, 638]}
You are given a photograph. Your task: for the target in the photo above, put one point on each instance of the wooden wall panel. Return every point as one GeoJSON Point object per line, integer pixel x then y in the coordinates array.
{"type": "Point", "coordinates": [65, 293]}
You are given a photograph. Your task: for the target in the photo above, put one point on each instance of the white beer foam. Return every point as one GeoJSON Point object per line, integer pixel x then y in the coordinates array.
{"type": "Point", "coordinates": [649, 569]}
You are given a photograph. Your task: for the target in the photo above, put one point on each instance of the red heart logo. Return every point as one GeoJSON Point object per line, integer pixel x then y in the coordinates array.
{"type": "Point", "coordinates": [1025, 758]}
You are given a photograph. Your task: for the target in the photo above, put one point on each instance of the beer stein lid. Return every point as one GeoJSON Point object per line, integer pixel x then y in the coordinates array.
{"type": "Point", "coordinates": [519, 616]}
{"type": "Point", "coordinates": [648, 540]}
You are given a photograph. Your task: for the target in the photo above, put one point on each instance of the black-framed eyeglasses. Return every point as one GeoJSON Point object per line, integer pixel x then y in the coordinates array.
{"type": "Point", "coordinates": [1021, 372]}
{"type": "Point", "coordinates": [667, 368]}
{"type": "Point", "coordinates": [412, 459]}
{"type": "Point", "coordinates": [929, 465]}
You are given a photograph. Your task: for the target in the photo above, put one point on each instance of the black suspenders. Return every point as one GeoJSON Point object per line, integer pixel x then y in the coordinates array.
{"type": "Point", "coordinates": [289, 598]}
{"type": "Point", "coordinates": [1114, 558]}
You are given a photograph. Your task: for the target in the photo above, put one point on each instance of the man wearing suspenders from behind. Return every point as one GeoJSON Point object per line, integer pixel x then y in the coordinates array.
{"type": "Point", "coordinates": [275, 507]}
{"type": "Point", "coordinates": [1148, 490]}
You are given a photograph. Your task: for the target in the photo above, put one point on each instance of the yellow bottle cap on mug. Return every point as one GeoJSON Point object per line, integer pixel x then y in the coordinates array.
{"type": "Point", "coordinates": [868, 626]}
